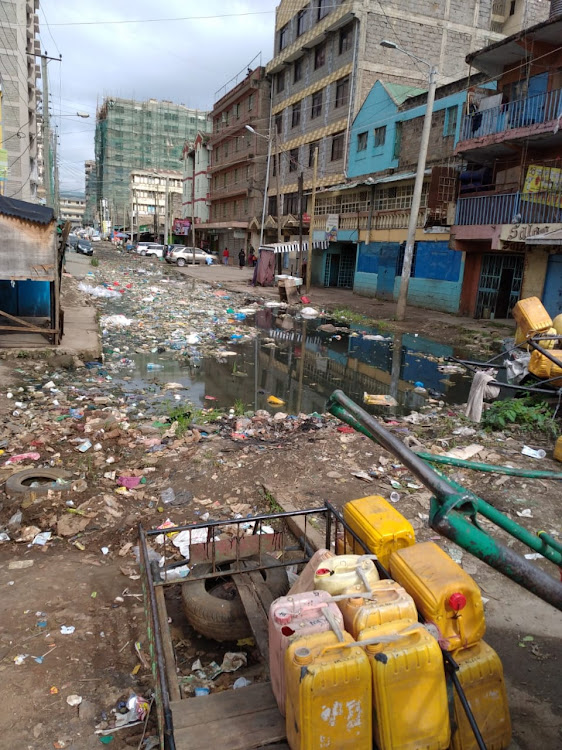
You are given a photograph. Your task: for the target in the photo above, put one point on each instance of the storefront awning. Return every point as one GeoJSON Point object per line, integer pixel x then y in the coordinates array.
{"type": "Point", "coordinates": [547, 238]}
{"type": "Point", "coordinates": [293, 247]}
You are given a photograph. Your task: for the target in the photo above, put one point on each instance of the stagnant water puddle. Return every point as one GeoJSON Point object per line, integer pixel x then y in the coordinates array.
{"type": "Point", "coordinates": [301, 364]}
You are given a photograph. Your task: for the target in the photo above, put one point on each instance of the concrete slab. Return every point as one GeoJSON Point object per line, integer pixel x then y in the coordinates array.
{"type": "Point", "coordinates": [81, 338]}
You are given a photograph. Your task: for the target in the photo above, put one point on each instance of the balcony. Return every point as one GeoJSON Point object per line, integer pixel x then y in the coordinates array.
{"type": "Point", "coordinates": [510, 208]}
{"type": "Point", "coordinates": [384, 220]}
{"type": "Point", "coordinates": [522, 118]}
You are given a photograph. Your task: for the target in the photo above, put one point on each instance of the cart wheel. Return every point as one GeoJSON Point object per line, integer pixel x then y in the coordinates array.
{"type": "Point", "coordinates": [213, 607]}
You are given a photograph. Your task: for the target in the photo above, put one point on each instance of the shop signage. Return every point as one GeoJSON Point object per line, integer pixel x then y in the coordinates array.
{"type": "Point", "coordinates": [332, 226]}
{"type": "Point", "coordinates": [521, 232]}
{"type": "Point", "coordinates": [181, 227]}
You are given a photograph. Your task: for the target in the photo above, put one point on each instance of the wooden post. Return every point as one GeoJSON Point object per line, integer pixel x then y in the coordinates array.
{"type": "Point", "coordinates": [311, 229]}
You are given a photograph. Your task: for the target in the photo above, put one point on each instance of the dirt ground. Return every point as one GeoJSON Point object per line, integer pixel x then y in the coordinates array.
{"type": "Point", "coordinates": [86, 576]}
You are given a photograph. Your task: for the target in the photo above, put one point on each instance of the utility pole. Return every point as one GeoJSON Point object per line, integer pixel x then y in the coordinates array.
{"type": "Point", "coordinates": [56, 196]}
{"type": "Point", "coordinates": [301, 200]}
{"type": "Point", "coordinates": [311, 229]}
{"type": "Point", "coordinates": [193, 209]}
{"type": "Point", "coordinates": [155, 214]}
{"type": "Point", "coordinates": [277, 190]}
{"type": "Point", "coordinates": [132, 224]}
{"type": "Point", "coordinates": [416, 199]}
{"type": "Point", "coordinates": [166, 211]}
{"type": "Point", "coordinates": [47, 135]}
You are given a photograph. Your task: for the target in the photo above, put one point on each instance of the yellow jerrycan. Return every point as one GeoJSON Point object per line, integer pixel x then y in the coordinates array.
{"type": "Point", "coordinates": [446, 596]}
{"type": "Point", "coordinates": [336, 574]}
{"type": "Point", "coordinates": [328, 700]}
{"type": "Point", "coordinates": [389, 602]}
{"type": "Point", "coordinates": [410, 710]}
{"type": "Point", "coordinates": [379, 525]}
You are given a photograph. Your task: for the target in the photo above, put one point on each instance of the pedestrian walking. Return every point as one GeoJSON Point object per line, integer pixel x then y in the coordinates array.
{"type": "Point", "coordinates": [225, 256]}
{"type": "Point", "coordinates": [241, 259]}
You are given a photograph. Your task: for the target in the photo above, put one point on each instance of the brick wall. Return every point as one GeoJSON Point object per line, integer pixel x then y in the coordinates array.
{"type": "Point", "coordinates": [440, 147]}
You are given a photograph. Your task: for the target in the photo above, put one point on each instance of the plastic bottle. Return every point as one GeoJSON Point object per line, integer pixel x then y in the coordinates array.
{"type": "Point", "coordinates": [153, 366]}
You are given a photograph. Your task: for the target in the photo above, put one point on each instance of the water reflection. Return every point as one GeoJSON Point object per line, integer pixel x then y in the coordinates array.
{"type": "Point", "coordinates": [302, 364]}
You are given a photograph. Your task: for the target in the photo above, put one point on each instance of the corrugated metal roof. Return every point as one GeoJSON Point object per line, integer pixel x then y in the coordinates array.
{"type": "Point", "coordinates": [372, 180]}
{"type": "Point", "coordinates": [399, 93]}
{"type": "Point", "coordinates": [293, 247]}
{"type": "Point", "coordinates": [24, 210]}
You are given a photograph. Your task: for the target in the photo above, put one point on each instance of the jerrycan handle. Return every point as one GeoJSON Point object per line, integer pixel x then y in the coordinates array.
{"type": "Point", "coordinates": [329, 615]}
{"type": "Point", "coordinates": [372, 641]}
{"type": "Point", "coordinates": [363, 594]}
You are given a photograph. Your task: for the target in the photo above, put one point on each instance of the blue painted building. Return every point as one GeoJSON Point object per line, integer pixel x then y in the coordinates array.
{"type": "Point", "coordinates": [373, 209]}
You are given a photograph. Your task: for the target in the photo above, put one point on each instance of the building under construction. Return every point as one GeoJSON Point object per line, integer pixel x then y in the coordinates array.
{"type": "Point", "coordinates": [147, 135]}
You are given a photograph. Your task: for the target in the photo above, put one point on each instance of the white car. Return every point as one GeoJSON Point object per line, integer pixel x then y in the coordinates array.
{"type": "Point", "coordinates": [150, 249]}
{"type": "Point", "coordinates": [181, 255]}
{"type": "Point", "coordinates": [95, 238]}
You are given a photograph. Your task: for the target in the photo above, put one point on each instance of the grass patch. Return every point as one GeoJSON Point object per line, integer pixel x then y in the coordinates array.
{"type": "Point", "coordinates": [271, 502]}
{"type": "Point", "coordinates": [239, 407]}
{"type": "Point", "coordinates": [527, 414]}
{"type": "Point", "coordinates": [349, 316]}
{"type": "Point", "coordinates": [94, 262]}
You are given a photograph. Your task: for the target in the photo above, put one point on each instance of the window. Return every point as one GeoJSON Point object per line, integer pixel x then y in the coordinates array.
{"type": "Point", "coordinates": [272, 207]}
{"type": "Point", "coordinates": [316, 109]}
{"type": "Point", "coordinates": [246, 204]}
{"type": "Point", "coordinates": [235, 209]}
{"type": "Point", "coordinates": [236, 139]}
{"type": "Point", "coordinates": [224, 180]}
{"type": "Point", "coordinates": [279, 123]}
{"type": "Point", "coordinates": [248, 172]}
{"type": "Point", "coordinates": [274, 165]}
{"type": "Point", "coordinates": [301, 22]}
{"type": "Point", "coordinates": [319, 56]}
{"type": "Point", "coordinates": [283, 37]}
{"type": "Point", "coordinates": [379, 135]}
{"type": "Point", "coordinates": [400, 260]}
{"type": "Point", "coordinates": [362, 141]}
{"type": "Point", "coordinates": [291, 203]}
{"type": "Point", "coordinates": [397, 140]}
{"type": "Point", "coordinates": [237, 111]}
{"type": "Point", "coordinates": [346, 38]}
{"type": "Point", "coordinates": [250, 102]}
{"type": "Point", "coordinates": [235, 176]}
{"type": "Point", "coordinates": [224, 209]}
{"type": "Point", "coordinates": [311, 149]}
{"type": "Point", "coordinates": [296, 114]}
{"type": "Point", "coordinates": [342, 92]}
{"type": "Point", "coordinates": [293, 159]}
{"type": "Point", "coordinates": [297, 70]}
{"type": "Point", "coordinates": [451, 117]}
{"type": "Point", "coordinates": [512, 8]}
{"type": "Point", "coordinates": [337, 147]}
{"type": "Point", "coordinates": [280, 82]}
{"type": "Point", "coordinates": [323, 8]}
{"type": "Point", "coordinates": [226, 149]}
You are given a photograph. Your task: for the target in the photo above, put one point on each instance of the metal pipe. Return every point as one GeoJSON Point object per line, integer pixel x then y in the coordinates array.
{"type": "Point", "coordinates": [477, 466]}
{"type": "Point", "coordinates": [452, 668]}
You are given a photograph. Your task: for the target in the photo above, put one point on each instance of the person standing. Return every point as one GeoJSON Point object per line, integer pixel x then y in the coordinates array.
{"type": "Point", "coordinates": [241, 259]}
{"type": "Point", "coordinates": [225, 256]}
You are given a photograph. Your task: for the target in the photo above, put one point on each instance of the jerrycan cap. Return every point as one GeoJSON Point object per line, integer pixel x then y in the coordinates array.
{"type": "Point", "coordinates": [356, 601]}
{"type": "Point", "coordinates": [323, 572]}
{"type": "Point", "coordinates": [457, 601]}
{"type": "Point", "coordinates": [303, 656]}
{"type": "Point", "coordinates": [283, 617]}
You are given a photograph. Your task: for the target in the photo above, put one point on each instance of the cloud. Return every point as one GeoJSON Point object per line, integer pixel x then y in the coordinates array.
{"type": "Point", "coordinates": [184, 61]}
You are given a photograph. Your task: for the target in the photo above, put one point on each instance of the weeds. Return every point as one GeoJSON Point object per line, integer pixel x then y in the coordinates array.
{"type": "Point", "coordinates": [272, 503]}
{"type": "Point", "coordinates": [239, 407]}
{"type": "Point", "coordinates": [349, 316]}
{"type": "Point", "coordinates": [94, 262]}
{"type": "Point", "coordinates": [529, 416]}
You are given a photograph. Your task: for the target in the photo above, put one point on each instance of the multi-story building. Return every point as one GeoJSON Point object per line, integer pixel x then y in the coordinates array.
{"type": "Point", "coordinates": [72, 207]}
{"type": "Point", "coordinates": [90, 210]}
{"type": "Point", "coordinates": [196, 199]}
{"type": "Point", "coordinates": [327, 56]}
{"type": "Point", "coordinates": [134, 135]}
{"type": "Point", "coordinates": [147, 200]}
{"type": "Point", "coordinates": [509, 210]}
{"type": "Point", "coordinates": [19, 48]}
{"type": "Point", "coordinates": [238, 163]}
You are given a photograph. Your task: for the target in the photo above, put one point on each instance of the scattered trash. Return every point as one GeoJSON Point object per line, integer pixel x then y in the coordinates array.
{"type": "Point", "coordinates": [362, 475]}
{"type": "Point", "coordinates": [241, 682]}
{"type": "Point", "coordinates": [74, 700]}
{"type": "Point", "coordinates": [67, 629]}
{"type": "Point", "coordinates": [379, 399]}
{"type": "Point", "coordinates": [97, 291]}
{"type": "Point", "coordinates": [394, 497]}
{"type": "Point", "coordinates": [33, 456]}
{"type": "Point", "coordinates": [532, 453]}
{"type": "Point", "coordinates": [526, 513]}
{"type": "Point", "coordinates": [42, 538]}
{"type": "Point", "coordinates": [274, 401]}
{"type": "Point", "coordinates": [534, 556]}
{"type": "Point", "coordinates": [20, 564]}
{"type": "Point", "coordinates": [309, 312]}
{"type": "Point", "coordinates": [115, 321]}
{"type": "Point", "coordinates": [465, 453]}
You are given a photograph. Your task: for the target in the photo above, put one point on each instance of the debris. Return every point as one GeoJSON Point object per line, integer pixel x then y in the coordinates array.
{"type": "Point", "coordinates": [67, 629]}
{"type": "Point", "coordinates": [33, 456]}
{"type": "Point", "coordinates": [362, 475]}
{"type": "Point", "coordinates": [379, 399]}
{"type": "Point", "coordinates": [526, 513]}
{"type": "Point", "coordinates": [274, 401]}
{"type": "Point", "coordinates": [42, 538]}
{"type": "Point", "coordinates": [20, 564]}
{"type": "Point", "coordinates": [74, 700]}
{"type": "Point", "coordinates": [532, 453]}
{"type": "Point", "coordinates": [465, 453]}
{"type": "Point", "coordinates": [241, 682]}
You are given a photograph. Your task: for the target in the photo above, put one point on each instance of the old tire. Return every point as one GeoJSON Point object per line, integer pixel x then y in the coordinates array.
{"type": "Point", "coordinates": [214, 608]}
{"type": "Point", "coordinates": [181, 262]}
{"type": "Point", "coordinates": [20, 481]}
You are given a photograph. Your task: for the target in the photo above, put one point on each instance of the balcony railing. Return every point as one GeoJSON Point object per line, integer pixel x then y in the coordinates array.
{"type": "Point", "coordinates": [510, 208]}
{"type": "Point", "coordinates": [397, 219]}
{"type": "Point", "coordinates": [531, 110]}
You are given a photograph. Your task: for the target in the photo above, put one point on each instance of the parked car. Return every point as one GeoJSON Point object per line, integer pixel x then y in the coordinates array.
{"type": "Point", "coordinates": [72, 241]}
{"type": "Point", "coordinates": [180, 255]}
{"type": "Point", "coordinates": [95, 238]}
{"type": "Point", "coordinates": [84, 247]}
{"type": "Point", "coordinates": [150, 249]}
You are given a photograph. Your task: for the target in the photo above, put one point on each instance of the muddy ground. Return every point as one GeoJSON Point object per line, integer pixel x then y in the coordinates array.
{"type": "Point", "coordinates": [86, 575]}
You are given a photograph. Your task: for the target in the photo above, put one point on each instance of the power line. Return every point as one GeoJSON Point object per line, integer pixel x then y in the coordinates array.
{"type": "Point", "coordinates": [165, 20]}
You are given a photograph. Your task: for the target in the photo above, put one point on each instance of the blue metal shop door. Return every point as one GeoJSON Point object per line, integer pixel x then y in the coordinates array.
{"type": "Point", "coordinates": [387, 270]}
{"type": "Point", "coordinates": [552, 295]}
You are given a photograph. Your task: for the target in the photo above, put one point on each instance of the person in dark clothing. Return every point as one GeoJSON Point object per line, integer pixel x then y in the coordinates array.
{"type": "Point", "coordinates": [241, 259]}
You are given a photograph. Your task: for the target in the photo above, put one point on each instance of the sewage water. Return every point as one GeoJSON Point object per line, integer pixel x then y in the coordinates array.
{"type": "Point", "coordinates": [298, 362]}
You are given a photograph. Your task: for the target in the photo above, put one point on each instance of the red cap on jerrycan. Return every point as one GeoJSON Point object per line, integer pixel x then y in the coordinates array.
{"type": "Point", "coordinates": [457, 601]}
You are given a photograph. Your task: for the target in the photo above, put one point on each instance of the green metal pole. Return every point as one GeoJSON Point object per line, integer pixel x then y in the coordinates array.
{"type": "Point", "coordinates": [477, 466]}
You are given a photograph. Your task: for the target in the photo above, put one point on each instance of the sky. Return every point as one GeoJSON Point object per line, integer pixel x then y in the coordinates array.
{"type": "Point", "coordinates": [185, 61]}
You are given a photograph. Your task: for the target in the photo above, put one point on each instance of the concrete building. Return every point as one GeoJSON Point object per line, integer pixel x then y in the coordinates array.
{"type": "Point", "coordinates": [19, 71]}
{"type": "Point", "coordinates": [147, 199]}
{"type": "Point", "coordinates": [196, 199]}
{"type": "Point", "coordinates": [509, 211]}
{"type": "Point", "coordinates": [327, 57]}
{"type": "Point", "coordinates": [90, 210]}
{"type": "Point", "coordinates": [134, 135]}
{"type": "Point", "coordinates": [72, 207]}
{"type": "Point", "coordinates": [238, 164]}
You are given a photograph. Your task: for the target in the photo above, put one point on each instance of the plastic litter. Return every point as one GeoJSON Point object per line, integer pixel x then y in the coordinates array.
{"type": "Point", "coordinates": [532, 453]}
{"type": "Point", "coordinates": [309, 312]}
{"type": "Point", "coordinates": [241, 682]}
{"type": "Point", "coordinates": [74, 700]}
{"type": "Point", "coordinates": [115, 321]}
{"type": "Point", "coordinates": [97, 291]}
{"type": "Point", "coordinates": [33, 456]}
{"type": "Point", "coordinates": [379, 399]}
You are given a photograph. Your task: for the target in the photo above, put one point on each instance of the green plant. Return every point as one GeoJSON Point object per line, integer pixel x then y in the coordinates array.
{"type": "Point", "coordinates": [239, 407]}
{"type": "Point", "coordinates": [528, 414]}
{"type": "Point", "coordinates": [349, 316]}
{"type": "Point", "coordinates": [272, 503]}
{"type": "Point", "coordinates": [94, 262]}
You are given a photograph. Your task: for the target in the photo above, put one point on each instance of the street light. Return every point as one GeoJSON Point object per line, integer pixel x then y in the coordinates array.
{"type": "Point", "coordinates": [269, 140]}
{"type": "Point", "coordinates": [418, 185]}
